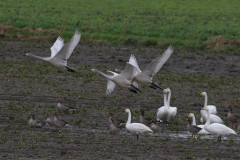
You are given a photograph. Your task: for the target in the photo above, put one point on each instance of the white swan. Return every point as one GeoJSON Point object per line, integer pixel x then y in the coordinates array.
{"type": "Point", "coordinates": [212, 108]}
{"type": "Point", "coordinates": [213, 118]}
{"type": "Point", "coordinates": [217, 128]}
{"type": "Point", "coordinates": [136, 128]}
{"type": "Point", "coordinates": [61, 53]}
{"type": "Point", "coordinates": [163, 113]}
{"type": "Point", "coordinates": [173, 110]}
{"type": "Point", "coordinates": [123, 79]}
{"type": "Point", "coordinates": [145, 77]}
{"type": "Point", "coordinates": [202, 131]}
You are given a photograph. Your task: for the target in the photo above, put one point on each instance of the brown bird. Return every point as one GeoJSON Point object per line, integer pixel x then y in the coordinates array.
{"type": "Point", "coordinates": [35, 123]}
{"type": "Point", "coordinates": [192, 128]}
{"type": "Point", "coordinates": [114, 129]}
{"type": "Point", "coordinates": [60, 123]}
{"type": "Point", "coordinates": [144, 120]}
{"type": "Point", "coordinates": [155, 127]}
{"type": "Point", "coordinates": [232, 117]}
{"type": "Point", "coordinates": [49, 120]}
{"type": "Point", "coordinates": [117, 121]}
{"type": "Point", "coordinates": [64, 108]}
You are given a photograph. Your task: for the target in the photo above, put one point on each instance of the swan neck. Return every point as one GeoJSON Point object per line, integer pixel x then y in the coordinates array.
{"type": "Point", "coordinates": [165, 102]}
{"type": "Point", "coordinates": [38, 57]}
{"type": "Point", "coordinates": [169, 98]}
{"type": "Point", "coordinates": [129, 118]}
{"type": "Point", "coordinates": [208, 119]}
{"type": "Point", "coordinates": [205, 104]}
{"type": "Point", "coordinates": [193, 120]}
{"type": "Point", "coordinates": [104, 75]}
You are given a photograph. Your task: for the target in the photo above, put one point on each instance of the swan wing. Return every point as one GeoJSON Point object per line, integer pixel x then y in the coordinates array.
{"type": "Point", "coordinates": [202, 131]}
{"type": "Point", "coordinates": [133, 61]}
{"type": "Point", "coordinates": [215, 119]}
{"type": "Point", "coordinates": [138, 128]}
{"type": "Point", "coordinates": [111, 73]}
{"type": "Point", "coordinates": [219, 129]}
{"type": "Point", "coordinates": [128, 72]}
{"type": "Point", "coordinates": [68, 48]}
{"type": "Point", "coordinates": [110, 87]}
{"type": "Point", "coordinates": [212, 109]}
{"type": "Point", "coordinates": [157, 63]}
{"type": "Point", "coordinates": [57, 46]}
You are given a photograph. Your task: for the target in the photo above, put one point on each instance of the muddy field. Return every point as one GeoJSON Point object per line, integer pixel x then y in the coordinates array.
{"type": "Point", "coordinates": [30, 85]}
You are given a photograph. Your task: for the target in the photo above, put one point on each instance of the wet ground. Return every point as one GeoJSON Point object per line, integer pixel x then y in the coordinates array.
{"type": "Point", "coordinates": [29, 85]}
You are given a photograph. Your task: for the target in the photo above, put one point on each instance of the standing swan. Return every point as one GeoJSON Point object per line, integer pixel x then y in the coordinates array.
{"type": "Point", "coordinates": [136, 128]}
{"type": "Point", "coordinates": [173, 110]}
{"type": "Point", "coordinates": [217, 128]}
{"type": "Point", "coordinates": [212, 108]}
{"type": "Point", "coordinates": [145, 77]}
{"type": "Point", "coordinates": [61, 53]}
{"type": "Point", "coordinates": [123, 79]}
{"type": "Point", "coordinates": [163, 113]}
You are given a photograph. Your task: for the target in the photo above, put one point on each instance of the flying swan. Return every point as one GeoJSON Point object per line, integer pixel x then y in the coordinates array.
{"type": "Point", "coordinates": [60, 52]}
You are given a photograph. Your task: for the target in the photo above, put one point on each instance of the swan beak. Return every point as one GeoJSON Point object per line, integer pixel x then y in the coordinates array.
{"type": "Point", "coordinates": [46, 114]}
{"type": "Point", "coordinates": [30, 113]}
{"type": "Point", "coordinates": [227, 106]}
{"type": "Point", "coordinates": [91, 69]}
{"type": "Point", "coordinates": [26, 54]}
{"type": "Point", "coordinates": [200, 93]}
{"type": "Point", "coordinates": [188, 116]}
{"type": "Point", "coordinates": [124, 110]}
{"type": "Point", "coordinates": [57, 100]}
{"type": "Point", "coordinates": [203, 108]}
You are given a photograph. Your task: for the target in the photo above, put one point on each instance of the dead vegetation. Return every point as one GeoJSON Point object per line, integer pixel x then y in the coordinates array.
{"type": "Point", "coordinates": [220, 42]}
{"type": "Point", "coordinates": [33, 34]}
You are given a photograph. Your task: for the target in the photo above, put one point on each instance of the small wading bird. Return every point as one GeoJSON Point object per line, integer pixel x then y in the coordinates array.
{"type": "Point", "coordinates": [145, 77]}
{"type": "Point", "coordinates": [122, 79]}
{"type": "Point", "coordinates": [60, 52]}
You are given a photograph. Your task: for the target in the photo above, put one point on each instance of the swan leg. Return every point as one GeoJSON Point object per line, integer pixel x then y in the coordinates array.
{"type": "Point", "coordinates": [70, 69]}
{"type": "Point", "coordinates": [137, 136]}
{"type": "Point", "coordinates": [152, 87]}
{"type": "Point", "coordinates": [132, 90]}
{"type": "Point", "coordinates": [155, 85]}
{"type": "Point", "coordinates": [219, 138]}
{"type": "Point", "coordinates": [136, 88]}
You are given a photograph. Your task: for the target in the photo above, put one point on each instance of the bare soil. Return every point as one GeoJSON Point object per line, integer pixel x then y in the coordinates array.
{"type": "Point", "coordinates": [30, 85]}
